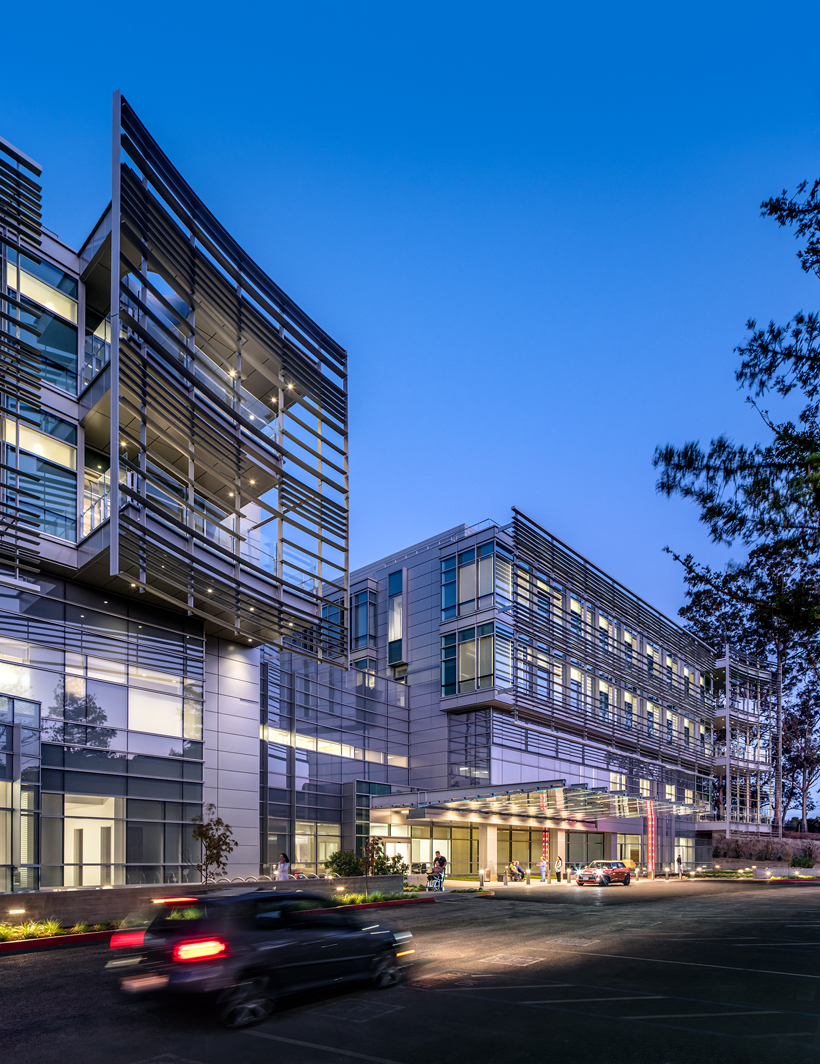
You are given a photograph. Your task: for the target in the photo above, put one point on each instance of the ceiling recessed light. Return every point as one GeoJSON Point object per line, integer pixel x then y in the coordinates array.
{"type": "Point", "coordinates": [253, 482]}
{"type": "Point", "coordinates": [133, 585]}
{"type": "Point", "coordinates": [290, 386]}
{"type": "Point", "coordinates": [210, 590]}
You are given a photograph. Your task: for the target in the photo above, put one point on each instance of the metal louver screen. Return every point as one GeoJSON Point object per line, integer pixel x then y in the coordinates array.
{"type": "Point", "coordinates": [230, 425]}
{"type": "Point", "coordinates": [20, 232]}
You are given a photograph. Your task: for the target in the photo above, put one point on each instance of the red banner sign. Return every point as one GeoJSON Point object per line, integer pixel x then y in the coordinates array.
{"type": "Point", "coordinates": [650, 831]}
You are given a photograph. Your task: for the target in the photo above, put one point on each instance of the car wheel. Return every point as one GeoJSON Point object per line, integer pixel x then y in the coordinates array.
{"type": "Point", "coordinates": [605, 881]}
{"type": "Point", "coordinates": [245, 1004]}
{"type": "Point", "coordinates": [627, 879]}
{"type": "Point", "coordinates": [386, 972]}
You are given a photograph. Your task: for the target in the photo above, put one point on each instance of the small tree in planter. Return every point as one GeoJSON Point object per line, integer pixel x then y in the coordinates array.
{"type": "Point", "coordinates": [344, 863]}
{"type": "Point", "coordinates": [217, 843]}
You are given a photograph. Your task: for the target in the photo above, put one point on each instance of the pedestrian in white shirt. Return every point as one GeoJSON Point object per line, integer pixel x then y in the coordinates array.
{"type": "Point", "coordinates": [282, 868]}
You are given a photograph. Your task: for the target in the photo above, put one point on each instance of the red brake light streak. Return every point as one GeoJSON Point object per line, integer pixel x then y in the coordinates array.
{"type": "Point", "coordinates": [126, 939]}
{"type": "Point", "coordinates": [201, 949]}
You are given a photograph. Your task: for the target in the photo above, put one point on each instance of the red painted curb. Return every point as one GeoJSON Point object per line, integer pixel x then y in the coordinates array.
{"type": "Point", "coordinates": [25, 944]}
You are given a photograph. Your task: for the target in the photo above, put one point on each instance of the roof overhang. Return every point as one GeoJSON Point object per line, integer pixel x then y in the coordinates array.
{"type": "Point", "coordinates": [552, 800]}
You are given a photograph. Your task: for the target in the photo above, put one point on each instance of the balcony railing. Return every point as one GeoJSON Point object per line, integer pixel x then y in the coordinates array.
{"type": "Point", "coordinates": [96, 356]}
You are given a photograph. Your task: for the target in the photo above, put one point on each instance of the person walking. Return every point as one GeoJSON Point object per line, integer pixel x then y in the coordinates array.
{"type": "Point", "coordinates": [543, 866]}
{"type": "Point", "coordinates": [559, 868]}
{"type": "Point", "coordinates": [282, 869]}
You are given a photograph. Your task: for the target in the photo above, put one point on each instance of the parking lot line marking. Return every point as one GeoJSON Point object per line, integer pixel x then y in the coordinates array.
{"type": "Point", "coordinates": [315, 1045]}
{"type": "Point", "coordinates": [528, 986]}
{"type": "Point", "coordinates": [692, 1015]}
{"type": "Point", "coordinates": [688, 964]}
{"type": "Point", "coordinates": [567, 1001]}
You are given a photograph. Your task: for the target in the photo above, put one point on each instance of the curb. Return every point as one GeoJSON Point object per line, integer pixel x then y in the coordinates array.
{"type": "Point", "coordinates": [24, 945]}
{"type": "Point", "coordinates": [386, 904]}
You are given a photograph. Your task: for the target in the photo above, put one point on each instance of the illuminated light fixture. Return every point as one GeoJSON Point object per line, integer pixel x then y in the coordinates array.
{"type": "Point", "coordinates": [233, 372]}
{"type": "Point", "coordinates": [340, 888]}
{"type": "Point", "coordinates": [253, 482]}
{"type": "Point", "coordinates": [16, 912]}
{"type": "Point", "coordinates": [405, 952]}
{"type": "Point", "coordinates": [231, 494]}
{"type": "Point", "coordinates": [133, 585]}
{"type": "Point", "coordinates": [253, 608]}
{"type": "Point", "coordinates": [290, 386]}
{"type": "Point", "coordinates": [172, 900]}
{"type": "Point", "coordinates": [201, 949]}
{"type": "Point", "coordinates": [210, 590]}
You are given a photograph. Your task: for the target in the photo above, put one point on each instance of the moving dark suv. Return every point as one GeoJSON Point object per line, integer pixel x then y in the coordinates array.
{"type": "Point", "coordinates": [245, 949]}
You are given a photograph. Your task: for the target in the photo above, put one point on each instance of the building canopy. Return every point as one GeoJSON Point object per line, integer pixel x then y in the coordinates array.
{"type": "Point", "coordinates": [545, 801]}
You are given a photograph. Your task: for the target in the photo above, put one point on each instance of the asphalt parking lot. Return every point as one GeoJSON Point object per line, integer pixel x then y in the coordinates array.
{"type": "Point", "coordinates": [672, 972]}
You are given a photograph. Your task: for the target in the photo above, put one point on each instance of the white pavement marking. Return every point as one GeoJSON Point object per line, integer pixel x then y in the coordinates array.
{"type": "Point", "coordinates": [521, 986]}
{"type": "Point", "coordinates": [688, 964]}
{"type": "Point", "coordinates": [691, 1015]}
{"type": "Point", "coordinates": [567, 1001]}
{"type": "Point", "coordinates": [315, 1045]}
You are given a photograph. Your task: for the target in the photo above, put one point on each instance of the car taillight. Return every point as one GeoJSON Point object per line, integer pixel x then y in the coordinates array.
{"type": "Point", "coordinates": [201, 949]}
{"type": "Point", "coordinates": [126, 939]}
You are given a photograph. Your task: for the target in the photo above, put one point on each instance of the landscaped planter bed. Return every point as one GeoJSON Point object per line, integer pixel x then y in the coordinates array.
{"type": "Point", "coordinates": [81, 938]}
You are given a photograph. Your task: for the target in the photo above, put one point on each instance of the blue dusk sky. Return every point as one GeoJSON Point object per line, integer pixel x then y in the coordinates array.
{"type": "Point", "coordinates": [535, 227]}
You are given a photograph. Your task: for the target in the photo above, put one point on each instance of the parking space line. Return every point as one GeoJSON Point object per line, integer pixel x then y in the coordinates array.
{"type": "Point", "coordinates": [525, 986]}
{"type": "Point", "coordinates": [315, 1045]}
{"type": "Point", "coordinates": [692, 1015]}
{"type": "Point", "coordinates": [568, 1001]}
{"type": "Point", "coordinates": [686, 964]}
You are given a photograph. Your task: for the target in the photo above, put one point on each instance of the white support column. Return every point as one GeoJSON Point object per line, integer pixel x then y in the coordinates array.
{"type": "Point", "coordinates": [488, 849]}
{"type": "Point", "coordinates": [560, 849]}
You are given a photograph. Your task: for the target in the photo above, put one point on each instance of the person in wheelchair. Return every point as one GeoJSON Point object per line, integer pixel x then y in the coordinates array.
{"type": "Point", "coordinates": [435, 879]}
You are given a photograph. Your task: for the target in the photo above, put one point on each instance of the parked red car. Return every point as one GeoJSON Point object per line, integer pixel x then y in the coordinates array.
{"type": "Point", "coordinates": [602, 873]}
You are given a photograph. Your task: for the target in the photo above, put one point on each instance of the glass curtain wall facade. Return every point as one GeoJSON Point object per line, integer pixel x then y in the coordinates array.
{"type": "Point", "coordinates": [330, 738]}
{"type": "Point", "coordinates": [101, 721]}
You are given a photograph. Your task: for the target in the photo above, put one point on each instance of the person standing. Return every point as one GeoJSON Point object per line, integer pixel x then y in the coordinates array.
{"type": "Point", "coordinates": [680, 867]}
{"type": "Point", "coordinates": [543, 866]}
{"type": "Point", "coordinates": [559, 867]}
{"type": "Point", "coordinates": [282, 869]}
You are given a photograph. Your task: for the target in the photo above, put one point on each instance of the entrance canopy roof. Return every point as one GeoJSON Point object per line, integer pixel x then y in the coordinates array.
{"type": "Point", "coordinates": [550, 800]}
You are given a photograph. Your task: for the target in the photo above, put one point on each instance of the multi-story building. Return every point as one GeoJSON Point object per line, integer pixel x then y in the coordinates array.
{"type": "Point", "coordinates": [173, 499]}
{"type": "Point", "coordinates": [552, 708]}
{"type": "Point", "coordinates": [176, 618]}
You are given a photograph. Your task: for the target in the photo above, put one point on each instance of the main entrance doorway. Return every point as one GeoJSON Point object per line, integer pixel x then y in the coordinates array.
{"type": "Point", "coordinates": [585, 846]}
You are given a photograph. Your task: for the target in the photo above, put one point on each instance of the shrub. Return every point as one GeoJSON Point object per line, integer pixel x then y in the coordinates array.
{"type": "Point", "coordinates": [344, 863]}
{"type": "Point", "coordinates": [802, 862]}
{"type": "Point", "coordinates": [79, 928]}
{"type": "Point", "coordinates": [735, 850]}
{"type": "Point", "coordinates": [7, 933]}
{"type": "Point", "coordinates": [51, 926]}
